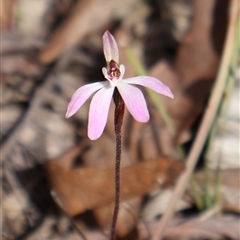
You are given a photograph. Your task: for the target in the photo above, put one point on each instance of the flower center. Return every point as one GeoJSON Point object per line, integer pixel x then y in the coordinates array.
{"type": "Point", "coordinates": [113, 70]}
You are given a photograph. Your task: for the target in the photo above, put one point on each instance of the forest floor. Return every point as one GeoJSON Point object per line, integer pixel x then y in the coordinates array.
{"type": "Point", "coordinates": [180, 171]}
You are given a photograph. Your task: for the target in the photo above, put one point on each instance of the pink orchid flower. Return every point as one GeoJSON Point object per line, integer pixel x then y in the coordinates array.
{"type": "Point", "coordinates": [131, 95]}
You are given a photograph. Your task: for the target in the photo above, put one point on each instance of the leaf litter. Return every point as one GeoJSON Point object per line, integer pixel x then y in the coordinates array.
{"type": "Point", "coordinates": [48, 164]}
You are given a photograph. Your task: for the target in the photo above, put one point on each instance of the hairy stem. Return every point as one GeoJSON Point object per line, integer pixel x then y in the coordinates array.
{"type": "Point", "coordinates": [118, 120]}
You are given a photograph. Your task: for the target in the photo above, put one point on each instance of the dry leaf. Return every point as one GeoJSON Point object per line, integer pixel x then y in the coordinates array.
{"type": "Point", "coordinates": [196, 63]}
{"type": "Point", "coordinates": [85, 188]}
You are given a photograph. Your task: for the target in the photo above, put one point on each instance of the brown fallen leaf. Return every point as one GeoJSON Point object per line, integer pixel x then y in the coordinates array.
{"type": "Point", "coordinates": [100, 154]}
{"type": "Point", "coordinates": [196, 63]}
{"type": "Point", "coordinates": [84, 188]}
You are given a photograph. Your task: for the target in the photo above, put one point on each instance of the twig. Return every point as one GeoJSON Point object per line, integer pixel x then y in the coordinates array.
{"type": "Point", "coordinates": [206, 122]}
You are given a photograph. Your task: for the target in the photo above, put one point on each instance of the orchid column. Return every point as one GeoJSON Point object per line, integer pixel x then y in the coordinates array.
{"type": "Point", "coordinates": [124, 92]}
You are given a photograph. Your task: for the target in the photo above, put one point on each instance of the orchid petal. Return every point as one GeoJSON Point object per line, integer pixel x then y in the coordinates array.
{"type": "Point", "coordinates": [122, 71]}
{"type": "Point", "coordinates": [105, 74]}
{"type": "Point", "coordinates": [110, 47]}
{"type": "Point", "coordinates": [135, 101]}
{"type": "Point", "coordinates": [150, 82]}
{"type": "Point", "coordinates": [81, 95]}
{"type": "Point", "coordinates": [98, 112]}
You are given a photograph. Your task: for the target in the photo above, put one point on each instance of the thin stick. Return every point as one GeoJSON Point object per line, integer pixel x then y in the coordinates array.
{"type": "Point", "coordinates": [206, 123]}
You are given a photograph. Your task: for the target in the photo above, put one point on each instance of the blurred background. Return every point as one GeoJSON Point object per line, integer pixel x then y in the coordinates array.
{"type": "Point", "coordinates": [56, 183]}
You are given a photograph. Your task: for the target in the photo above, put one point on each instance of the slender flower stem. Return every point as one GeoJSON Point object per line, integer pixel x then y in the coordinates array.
{"type": "Point", "coordinates": [118, 120]}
